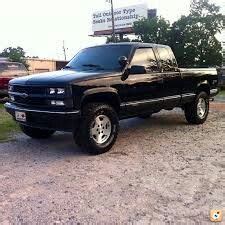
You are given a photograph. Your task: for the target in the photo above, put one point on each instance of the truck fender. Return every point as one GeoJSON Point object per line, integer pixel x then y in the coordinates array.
{"type": "Point", "coordinates": [101, 93]}
{"type": "Point", "coordinates": [204, 86]}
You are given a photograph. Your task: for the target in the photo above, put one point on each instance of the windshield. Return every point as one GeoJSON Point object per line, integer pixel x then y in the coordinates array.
{"type": "Point", "coordinates": [100, 58]}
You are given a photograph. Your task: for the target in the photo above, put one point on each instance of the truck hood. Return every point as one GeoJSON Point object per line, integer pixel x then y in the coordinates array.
{"type": "Point", "coordinates": [59, 78]}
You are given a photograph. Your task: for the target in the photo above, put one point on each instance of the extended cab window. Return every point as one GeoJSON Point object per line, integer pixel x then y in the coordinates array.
{"type": "Point", "coordinates": [165, 59]}
{"type": "Point", "coordinates": [145, 57]}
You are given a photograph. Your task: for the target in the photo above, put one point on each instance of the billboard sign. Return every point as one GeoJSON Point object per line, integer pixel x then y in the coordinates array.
{"type": "Point", "coordinates": [124, 19]}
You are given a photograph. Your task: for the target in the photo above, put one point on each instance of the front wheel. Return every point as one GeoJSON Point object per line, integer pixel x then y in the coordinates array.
{"type": "Point", "coordinates": [36, 133]}
{"type": "Point", "coordinates": [98, 128]}
{"type": "Point", "coordinates": [197, 111]}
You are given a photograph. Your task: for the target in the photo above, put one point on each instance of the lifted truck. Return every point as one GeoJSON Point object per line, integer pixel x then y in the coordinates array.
{"type": "Point", "coordinates": [104, 84]}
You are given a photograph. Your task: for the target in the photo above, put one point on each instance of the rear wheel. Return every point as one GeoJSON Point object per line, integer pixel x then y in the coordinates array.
{"type": "Point", "coordinates": [197, 111]}
{"type": "Point", "coordinates": [98, 128]}
{"type": "Point", "coordinates": [36, 133]}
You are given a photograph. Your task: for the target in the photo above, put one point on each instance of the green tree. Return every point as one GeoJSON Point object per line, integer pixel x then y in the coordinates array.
{"type": "Point", "coordinates": [154, 30]}
{"type": "Point", "coordinates": [110, 39]}
{"type": "Point", "coordinates": [15, 55]}
{"type": "Point", "coordinates": [193, 37]}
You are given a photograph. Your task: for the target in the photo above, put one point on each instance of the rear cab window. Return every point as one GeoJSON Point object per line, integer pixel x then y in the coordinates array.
{"type": "Point", "coordinates": [167, 59]}
{"type": "Point", "coordinates": [145, 57]}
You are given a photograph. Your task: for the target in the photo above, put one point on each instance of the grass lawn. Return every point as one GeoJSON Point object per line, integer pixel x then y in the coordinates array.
{"type": "Point", "coordinates": [222, 93]}
{"type": "Point", "coordinates": [7, 125]}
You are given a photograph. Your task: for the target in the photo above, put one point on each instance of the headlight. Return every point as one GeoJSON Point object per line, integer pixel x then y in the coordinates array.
{"type": "Point", "coordinates": [60, 91]}
{"type": "Point", "coordinates": [57, 91]}
{"type": "Point", "coordinates": [52, 91]}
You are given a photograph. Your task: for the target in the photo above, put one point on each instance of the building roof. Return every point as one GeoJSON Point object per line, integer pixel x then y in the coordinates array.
{"type": "Point", "coordinates": [48, 60]}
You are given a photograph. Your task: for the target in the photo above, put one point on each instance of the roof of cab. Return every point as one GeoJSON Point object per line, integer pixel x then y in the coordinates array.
{"type": "Point", "coordinates": [134, 44]}
{"type": "Point", "coordinates": [139, 44]}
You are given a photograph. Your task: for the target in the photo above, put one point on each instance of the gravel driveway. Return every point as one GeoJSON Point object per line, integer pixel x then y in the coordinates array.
{"type": "Point", "coordinates": [160, 170]}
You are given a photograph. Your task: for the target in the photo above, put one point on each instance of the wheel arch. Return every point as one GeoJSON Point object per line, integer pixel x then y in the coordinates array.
{"type": "Point", "coordinates": [203, 86]}
{"type": "Point", "coordinates": [105, 95]}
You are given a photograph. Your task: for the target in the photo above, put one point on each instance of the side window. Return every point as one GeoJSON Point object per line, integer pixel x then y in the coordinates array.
{"type": "Point", "coordinates": [152, 62]}
{"type": "Point", "coordinates": [165, 59]}
{"type": "Point", "coordinates": [145, 57]}
{"type": "Point", "coordinates": [140, 57]}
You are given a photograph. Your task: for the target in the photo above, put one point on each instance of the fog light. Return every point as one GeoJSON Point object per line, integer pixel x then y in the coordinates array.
{"type": "Point", "coordinates": [58, 103]}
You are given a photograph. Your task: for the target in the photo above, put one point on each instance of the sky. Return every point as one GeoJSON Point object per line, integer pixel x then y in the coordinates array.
{"type": "Point", "coordinates": [41, 26]}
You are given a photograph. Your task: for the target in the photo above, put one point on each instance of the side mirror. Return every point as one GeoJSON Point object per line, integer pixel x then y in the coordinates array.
{"type": "Point", "coordinates": [123, 61]}
{"type": "Point", "coordinates": [137, 70]}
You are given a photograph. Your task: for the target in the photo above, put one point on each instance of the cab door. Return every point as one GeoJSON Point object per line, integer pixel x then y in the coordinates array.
{"type": "Point", "coordinates": [144, 88]}
{"type": "Point", "coordinates": [172, 81]}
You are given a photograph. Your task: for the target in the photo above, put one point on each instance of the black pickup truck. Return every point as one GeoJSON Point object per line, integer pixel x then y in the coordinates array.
{"type": "Point", "coordinates": [104, 84]}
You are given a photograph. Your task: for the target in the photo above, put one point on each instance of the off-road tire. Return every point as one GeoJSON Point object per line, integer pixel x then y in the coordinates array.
{"type": "Point", "coordinates": [191, 109]}
{"type": "Point", "coordinates": [83, 136]}
{"type": "Point", "coordinates": [36, 133]}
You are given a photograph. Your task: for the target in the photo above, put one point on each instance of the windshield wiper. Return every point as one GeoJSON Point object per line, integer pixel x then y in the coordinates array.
{"type": "Point", "coordinates": [67, 67]}
{"type": "Point", "coordinates": [93, 65]}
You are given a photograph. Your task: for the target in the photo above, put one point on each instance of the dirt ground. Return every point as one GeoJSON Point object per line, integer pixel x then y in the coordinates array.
{"type": "Point", "coordinates": [218, 106]}
{"type": "Point", "coordinates": [160, 171]}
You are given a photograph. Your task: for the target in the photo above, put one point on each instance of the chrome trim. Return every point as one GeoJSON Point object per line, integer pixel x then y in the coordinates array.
{"type": "Point", "coordinates": [141, 102]}
{"type": "Point", "coordinates": [122, 104]}
{"type": "Point", "coordinates": [23, 95]}
{"type": "Point", "coordinates": [11, 106]}
{"type": "Point", "coordinates": [188, 95]}
{"type": "Point", "coordinates": [157, 99]}
{"type": "Point", "coordinates": [172, 97]}
{"type": "Point", "coordinates": [213, 91]}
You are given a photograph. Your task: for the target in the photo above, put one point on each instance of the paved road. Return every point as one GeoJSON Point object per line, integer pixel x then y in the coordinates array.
{"type": "Point", "coordinates": [160, 170]}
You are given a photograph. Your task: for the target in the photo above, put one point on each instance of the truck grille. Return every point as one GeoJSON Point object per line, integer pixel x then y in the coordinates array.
{"type": "Point", "coordinates": [29, 90]}
{"type": "Point", "coordinates": [30, 101]}
{"type": "Point", "coordinates": [36, 95]}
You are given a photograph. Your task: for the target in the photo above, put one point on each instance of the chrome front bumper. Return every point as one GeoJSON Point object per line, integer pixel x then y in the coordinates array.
{"type": "Point", "coordinates": [214, 92]}
{"type": "Point", "coordinates": [46, 119]}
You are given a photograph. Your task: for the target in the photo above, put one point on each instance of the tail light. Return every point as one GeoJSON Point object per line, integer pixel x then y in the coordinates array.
{"type": "Point", "coordinates": [4, 82]}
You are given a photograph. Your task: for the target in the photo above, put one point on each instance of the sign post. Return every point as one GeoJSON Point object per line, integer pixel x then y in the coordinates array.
{"type": "Point", "coordinates": [113, 22]}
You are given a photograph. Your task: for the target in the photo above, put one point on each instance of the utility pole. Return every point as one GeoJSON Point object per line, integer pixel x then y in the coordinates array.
{"type": "Point", "coordinates": [113, 21]}
{"type": "Point", "coordinates": [64, 50]}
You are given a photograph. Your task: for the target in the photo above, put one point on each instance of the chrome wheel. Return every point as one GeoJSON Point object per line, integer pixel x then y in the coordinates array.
{"type": "Point", "coordinates": [201, 108]}
{"type": "Point", "coordinates": [101, 129]}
